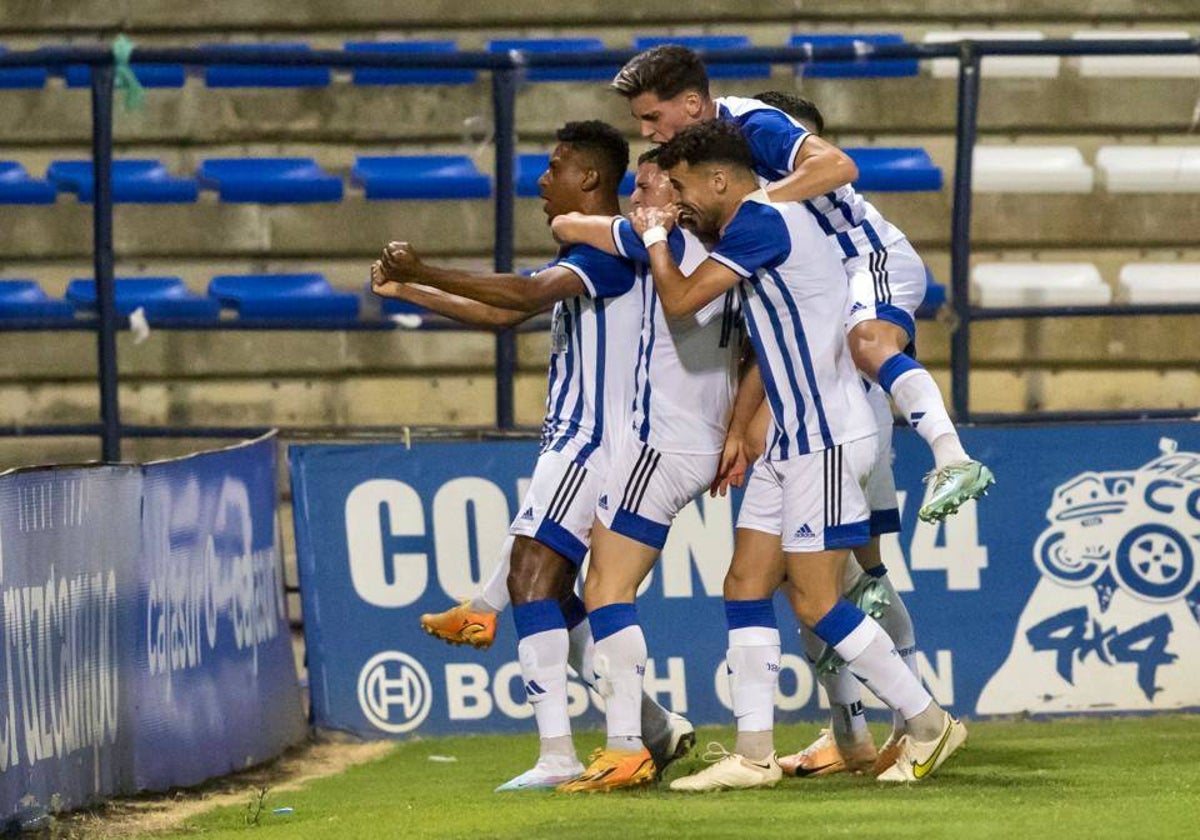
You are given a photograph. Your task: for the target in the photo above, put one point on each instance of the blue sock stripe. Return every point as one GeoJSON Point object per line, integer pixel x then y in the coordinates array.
{"type": "Point", "coordinates": [839, 622]}
{"type": "Point", "coordinates": [612, 619]}
{"type": "Point", "coordinates": [537, 617]}
{"type": "Point", "coordinates": [757, 613]}
{"type": "Point", "coordinates": [573, 611]}
{"type": "Point", "coordinates": [894, 368]}
{"type": "Point", "coordinates": [878, 572]}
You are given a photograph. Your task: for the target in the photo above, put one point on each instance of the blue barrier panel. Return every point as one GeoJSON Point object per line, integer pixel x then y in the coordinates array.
{"type": "Point", "coordinates": [143, 640]}
{"type": "Point", "coordinates": [215, 655]}
{"type": "Point", "coordinates": [1072, 588]}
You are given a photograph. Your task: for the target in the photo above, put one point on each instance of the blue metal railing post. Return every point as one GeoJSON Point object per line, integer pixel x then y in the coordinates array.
{"type": "Point", "coordinates": [504, 104]}
{"type": "Point", "coordinates": [102, 233]}
{"type": "Point", "coordinates": [960, 231]}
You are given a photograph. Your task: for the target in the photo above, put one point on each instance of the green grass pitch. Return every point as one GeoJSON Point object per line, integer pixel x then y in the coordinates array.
{"type": "Point", "coordinates": [1086, 778]}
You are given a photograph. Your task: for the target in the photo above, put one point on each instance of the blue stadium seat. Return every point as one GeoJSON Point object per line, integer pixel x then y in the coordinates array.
{"type": "Point", "coordinates": [530, 167]}
{"type": "Point", "coordinates": [853, 69]}
{"type": "Point", "coordinates": [22, 78]}
{"type": "Point", "coordinates": [558, 45]}
{"type": "Point", "coordinates": [27, 299]}
{"type": "Point", "coordinates": [160, 297]}
{"type": "Point", "coordinates": [269, 180]}
{"type": "Point", "coordinates": [150, 75]}
{"type": "Point", "coordinates": [263, 75]}
{"type": "Point", "coordinates": [133, 182]}
{"type": "Point", "coordinates": [305, 296]}
{"type": "Point", "coordinates": [414, 76]}
{"type": "Point", "coordinates": [935, 296]}
{"type": "Point", "coordinates": [895, 170]}
{"type": "Point", "coordinates": [17, 187]}
{"type": "Point", "coordinates": [420, 176]}
{"type": "Point", "coordinates": [711, 42]}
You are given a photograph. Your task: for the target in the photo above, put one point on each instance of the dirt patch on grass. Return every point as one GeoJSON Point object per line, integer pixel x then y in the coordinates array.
{"type": "Point", "coordinates": [157, 813]}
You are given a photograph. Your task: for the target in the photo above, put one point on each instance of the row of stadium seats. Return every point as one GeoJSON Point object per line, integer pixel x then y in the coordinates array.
{"type": "Point", "coordinates": [302, 180]}
{"type": "Point", "coordinates": [1077, 283]}
{"type": "Point", "coordinates": [311, 297]}
{"type": "Point", "coordinates": [307, 297]}
{"type": "Point", "coordinates": [997, 169]}
{"type": "Point", "coordinates": [231, 76]}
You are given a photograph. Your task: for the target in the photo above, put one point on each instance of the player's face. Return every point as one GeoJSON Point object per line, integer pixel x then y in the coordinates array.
{"type": "Point", "coordinates": [652, 187]}
{"type": "Point", "coordinates": [660, 119]}
{"type": "Point", "coordinates": [560, 186]}
{"type": "Point", "coordinates": [700, 208]}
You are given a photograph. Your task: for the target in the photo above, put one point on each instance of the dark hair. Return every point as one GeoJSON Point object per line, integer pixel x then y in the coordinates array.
{"type": "Point", "coordinates": [608, 148]}
{"type": "Point", "coordinates": [665, 71]}
{"type": "Point", "coordinates": [794, 106]}
{"type": "Point", "coordinates": [650, 155]}
{"type": "Point", "coordinates": [711, 141]}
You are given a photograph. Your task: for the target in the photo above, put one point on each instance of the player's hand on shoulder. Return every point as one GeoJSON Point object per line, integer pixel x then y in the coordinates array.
{"type": "Point", "coordinates": [644, 218]}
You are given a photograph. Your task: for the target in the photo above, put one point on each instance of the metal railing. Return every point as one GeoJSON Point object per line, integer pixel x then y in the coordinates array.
{"type": "Point", "coordinates": [506, 71]}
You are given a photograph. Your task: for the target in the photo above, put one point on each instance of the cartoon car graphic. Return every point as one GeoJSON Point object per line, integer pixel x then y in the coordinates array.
{"type": "Point", "coordinates": [1142, 526]}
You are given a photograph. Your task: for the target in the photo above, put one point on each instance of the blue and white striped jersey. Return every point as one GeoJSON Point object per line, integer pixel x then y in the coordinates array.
{"type": "Point", "coordinates": [843, 214]}
{"type": "Point", "coordinates": [592, 354]}
{"type": "Point", "coordinates": [686, 367]}
{"type": "Point", "coordinates": [795, 317]}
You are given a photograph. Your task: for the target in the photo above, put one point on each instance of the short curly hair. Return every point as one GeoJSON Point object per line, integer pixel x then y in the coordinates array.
{"type": "Point", "coordinates": [713, 141]}
{"type": "Point", "coordinates": [607, 146]}
{"type": "Point", "coordinates": [665, 71]}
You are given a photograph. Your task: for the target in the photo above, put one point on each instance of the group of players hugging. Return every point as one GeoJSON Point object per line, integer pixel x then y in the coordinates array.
{"type": "Point", "coordinates": [742, 220]}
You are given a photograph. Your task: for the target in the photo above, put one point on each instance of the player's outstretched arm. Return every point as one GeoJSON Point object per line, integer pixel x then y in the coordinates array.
{"type": "Point", "coordinates": [819, 167]}
{"type": "Point", "coordinates": [581, 229]}
{"type": "Point", "coordinates": [507, 291]}
{"type": "Point", "coordinates": [461, 309]}
{"type": "Point", "coordinates": [680, 295]}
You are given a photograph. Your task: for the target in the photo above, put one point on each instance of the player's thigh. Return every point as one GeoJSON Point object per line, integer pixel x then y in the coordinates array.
{"type": "Point", "coordinates": [617, 566]}
{"type": "Point", "coordinates": [886, 288]}
{"type": "Point", "coordinates": [756, 569]}
{"type": "Point", "coordinates": [815, 582]}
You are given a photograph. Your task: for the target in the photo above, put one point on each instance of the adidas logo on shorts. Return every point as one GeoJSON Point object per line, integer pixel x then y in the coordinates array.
{"type": "Point", "coordinates": [857, 307]}
{"type": "Point", "coordinates": [804, 533]}
{"type": "Point", "coordinates": [603, 502]}
{"type": "Point", "coordinates": [527, 515]}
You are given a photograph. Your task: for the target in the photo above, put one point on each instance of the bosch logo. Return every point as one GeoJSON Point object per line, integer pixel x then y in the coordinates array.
{"type": "Point", "coordinates": [394, 692]}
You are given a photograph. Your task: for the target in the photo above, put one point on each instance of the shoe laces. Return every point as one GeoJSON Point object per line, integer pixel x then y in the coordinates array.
{"type": "Point", "coordinates": [715, 753]}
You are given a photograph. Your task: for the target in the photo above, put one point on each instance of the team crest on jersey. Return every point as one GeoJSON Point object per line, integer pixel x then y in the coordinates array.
{"type": "Point", "coordinates": [1114, 621]}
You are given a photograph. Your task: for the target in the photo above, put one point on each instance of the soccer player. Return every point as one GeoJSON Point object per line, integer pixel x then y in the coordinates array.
{"type": "Point", "coordinates": [596, 323]}
{"type": "Point", "coordinates": [685, 382]}
{"type": "Point", "coordinates": [807, 496]}
{"type": "Point", "coordinates": [667, 89]}
{"type": "Point", "coordinates": [847, 744]}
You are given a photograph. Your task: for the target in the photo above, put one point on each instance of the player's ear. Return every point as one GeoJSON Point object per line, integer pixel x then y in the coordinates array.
{"type": "Point", "coordinates": [693, 104]}
{"type": "Point", "coordinates": [719, 181]}
{"type": "Point", "coordinates": [590, 181]}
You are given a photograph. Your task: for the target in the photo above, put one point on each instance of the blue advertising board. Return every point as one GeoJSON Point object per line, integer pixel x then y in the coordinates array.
{"type": "Point", "coordinates": [143, 638]}
{"type": "Point", "coordinates": [1073, 587]}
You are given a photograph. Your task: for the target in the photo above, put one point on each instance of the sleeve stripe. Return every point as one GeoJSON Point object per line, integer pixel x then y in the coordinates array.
{"type": "Point", "coordinates": [616, 236]}
{"type": "Point", "coordinates": [796, 150]}
{"type": "Point", "coordinates": [730, 264]}
{"type": "Point", "coordinates": [587, 281]}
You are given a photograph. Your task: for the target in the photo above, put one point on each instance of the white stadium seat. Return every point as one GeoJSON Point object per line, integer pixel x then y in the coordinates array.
{"type": "Point", "coordinates": [1015, 66]}
{"type": "Point", "coordinates": [1160, 283]}
{"type": "Point", "coordinates": [1031, 169]}
{"type": "Point", "coordinates": [1137, 66]}
{"type": "Point", "coordinates": [1038, 284]}
{"type": "Point", "coordinates": [1150, 168]}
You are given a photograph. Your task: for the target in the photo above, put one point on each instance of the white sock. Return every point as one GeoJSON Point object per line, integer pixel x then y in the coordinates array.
{"type": "Point", "coordinates": [753, 660]}
{"type": "Point", "coordinates": [543, 658]}
{"type": "Point", "coordinates": [847, 719]}
{"type": "Point", "coordinates": [620, 666]}
{"type": "Point", "coordinates": [897, 623]}
{"type": "Point", "coordinates": [581, 653]}
{"type": "Point", "coordinates": [872, 657]}
{"type": "Point", "coordinates": [493, 594]}
{"type": "Point", "coordinates": [920, 401]}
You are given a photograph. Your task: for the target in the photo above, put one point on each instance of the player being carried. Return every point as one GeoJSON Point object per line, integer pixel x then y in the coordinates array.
{"type": "Point", "coordinates": [596, 323]}
{"type": "Point", "coordinates": [807, 496]}
{"type": "Point", "coordinates": [667, 89]}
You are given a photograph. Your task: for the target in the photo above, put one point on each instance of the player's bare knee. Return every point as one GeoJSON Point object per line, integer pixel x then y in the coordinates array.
{"type": "Point", "coordinates": [537, 572]}
{"type": "Point", "coordinates": [874, 342]}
